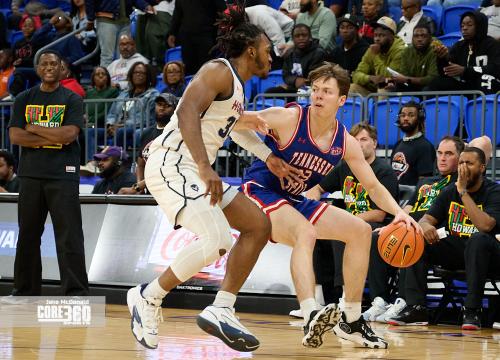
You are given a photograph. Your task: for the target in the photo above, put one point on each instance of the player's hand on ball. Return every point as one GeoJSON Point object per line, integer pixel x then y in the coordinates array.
{"type": "Point", "coordinates": [402, 216]}
{"type": "Point", "coordinates": [213, 183]}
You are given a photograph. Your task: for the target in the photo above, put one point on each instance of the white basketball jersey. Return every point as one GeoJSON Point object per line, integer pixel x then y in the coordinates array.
{"type": "Point", "coordinates": [216, 123]}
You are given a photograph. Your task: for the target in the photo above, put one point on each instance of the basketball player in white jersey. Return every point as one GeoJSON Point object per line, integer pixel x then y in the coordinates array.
{"type": "Point", "coordinates": [179, 175]}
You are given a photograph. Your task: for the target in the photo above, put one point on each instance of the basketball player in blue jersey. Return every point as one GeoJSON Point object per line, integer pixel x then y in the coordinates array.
{"type": "Point", "coordinates": [179, 175]}
{"type": "Point", "coordinates": [311, 139]}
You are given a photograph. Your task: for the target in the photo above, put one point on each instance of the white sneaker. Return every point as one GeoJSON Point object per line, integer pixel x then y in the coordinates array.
{"type": "Point", "coordinates": [146, 314]}
{"type": "Point", "coordinates": [341, 305]}
{"type": "Point", "coordinates": [392, 310]}
{"type": "Point", "coordinates": [359, 332]}
{"type": "Point", "coordinates": [296, 314]}
{"type": "Point", "coordinates": [222, 323]}
{"type": "Point", "coordinates": [379, 306]}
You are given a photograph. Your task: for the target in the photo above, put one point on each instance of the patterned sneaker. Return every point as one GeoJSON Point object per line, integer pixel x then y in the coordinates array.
{"type": "Point", "coordinates": [411, 315]}
{"type": "Point", "coordinates": [146, 314]}
{"type": "Point", "coordinates": [392, 310]}
{"type": "Point", "coordinates": [471, 319]}
{"type": "Point", "coordinates": [320, 321]}
{"type": "Point", "coordinates": [222, 323]}
{"type": "Point", "coordinates": [359, 332]}
{"type": "Point", "coordinates": [379, 306]}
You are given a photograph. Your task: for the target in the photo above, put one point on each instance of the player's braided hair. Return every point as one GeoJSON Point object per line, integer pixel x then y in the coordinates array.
{"type": "Point", "coordinates": [235, 32]}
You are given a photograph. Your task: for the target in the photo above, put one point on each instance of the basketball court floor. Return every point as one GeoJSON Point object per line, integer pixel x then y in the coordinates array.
{"type": "Point", "coordinates": [280, 337]}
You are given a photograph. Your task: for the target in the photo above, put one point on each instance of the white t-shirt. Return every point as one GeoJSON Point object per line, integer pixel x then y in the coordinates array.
{"type": "Point", "coordinates": [493, 14]}
{"type": "Point", "coordinates": [119, 68]}
{"type": "Point", "coordinates": [406, 32]}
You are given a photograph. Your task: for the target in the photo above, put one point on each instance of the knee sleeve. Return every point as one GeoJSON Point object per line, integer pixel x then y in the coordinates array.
{"type": "Point", "coordinates": [214, 240]}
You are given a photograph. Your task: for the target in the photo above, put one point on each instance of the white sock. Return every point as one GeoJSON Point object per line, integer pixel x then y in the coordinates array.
{"type": "Point", "coordinates": [307, 307]}
{"type": "Point", "coordinates": [154, 290]}
{"type": "Point", "coordinates": [224, 299]}
{"type": "Point", "coordinates": [352, 311]}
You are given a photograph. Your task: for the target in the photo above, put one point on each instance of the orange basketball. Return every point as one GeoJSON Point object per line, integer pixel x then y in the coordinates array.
{"type": "Point", "coordinates": [399, 246]}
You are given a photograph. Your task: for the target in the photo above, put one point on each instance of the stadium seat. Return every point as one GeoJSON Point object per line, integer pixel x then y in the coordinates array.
{"type": "Point", "coordinates": [395, 13]}
{"type": "Point", "coordinates": [160, 85]}
{"type": "Point", "coordinates": [275, 78]}
{"type": "Point", "coordinates": [383, 115]}
{"type": "Point", "coordinates": [275, 4]}
{"type": "Point", "coordinates": [249, 88]}
{"type": "Point", "coordinates": [442, 116]}
{"type": "Point", "coordinates": [435, 13]}
{"type": "Point", "coordinates": [450, 39]}
{"type": "Point", "coordinates": [351, 112]}
{"type": "Point", "coordinates": [173, 54]}
{"type": "Point", "coordinates": [451, 17]}
{"type": "Point", "coordinates": [473, 119]}
{"type": "Point", "coordinates": [265, 103]}
{"type": "Point", "coordinates": [15, 36]}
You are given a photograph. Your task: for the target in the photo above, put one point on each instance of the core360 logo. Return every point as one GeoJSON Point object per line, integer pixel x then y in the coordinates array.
{"type": "Point", "coordinates": [72, 313]}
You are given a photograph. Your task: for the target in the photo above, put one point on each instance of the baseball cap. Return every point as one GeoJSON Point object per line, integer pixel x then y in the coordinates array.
{"type": "Point", "coordinates": [114, 151]}
{"type": "Point", "coordinates": [386, 23]}
{"type": "Point", "coordinates": [351, 19]}
{"type": "Point", "coordinates": [170, 99]}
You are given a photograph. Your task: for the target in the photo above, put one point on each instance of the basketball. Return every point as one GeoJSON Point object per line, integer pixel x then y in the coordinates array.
{"type": "Point", "coordinates": [399, 246]}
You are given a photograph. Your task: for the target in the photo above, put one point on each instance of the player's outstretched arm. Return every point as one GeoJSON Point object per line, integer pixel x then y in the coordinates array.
{"type": "Point", "coordinates": [362, 170]}
{"type": "Point", "coordinates": [275, 118]}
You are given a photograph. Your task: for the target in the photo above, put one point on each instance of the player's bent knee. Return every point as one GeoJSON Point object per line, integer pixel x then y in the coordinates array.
{"type": "Point", "coordinates": [307, 236]}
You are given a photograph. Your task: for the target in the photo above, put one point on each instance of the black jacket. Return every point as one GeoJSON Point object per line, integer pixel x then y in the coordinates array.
{"type": "Point", "coordinates": [424, 20]}
{"type": "Point", "coordinates": [308, 59]}
{"type": "Point", "coordinates": [349, 59]}
{"type": "Point", "coordinates": [482, 67]}
{"type": "Point", "coordinates": [196, 17]}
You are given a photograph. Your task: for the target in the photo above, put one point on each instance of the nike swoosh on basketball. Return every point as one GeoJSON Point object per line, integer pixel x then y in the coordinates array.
{"type": "Point", "coordinates": [405, 251]}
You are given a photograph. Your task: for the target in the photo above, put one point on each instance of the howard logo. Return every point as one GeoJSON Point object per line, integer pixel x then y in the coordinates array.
{"type": "Point", "coordinates": [50, 116]}
{"type": "Point", "coordinates": [459, 223]}
{"type": "Point", "coordinates": [238, 107]}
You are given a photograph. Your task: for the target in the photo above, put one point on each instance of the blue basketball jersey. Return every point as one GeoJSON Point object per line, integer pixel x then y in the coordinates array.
{"type": "Point", "coordinates": [302, 153]}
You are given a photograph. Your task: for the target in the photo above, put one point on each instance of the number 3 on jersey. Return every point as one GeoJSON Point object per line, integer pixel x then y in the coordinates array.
{"type": "Point", "coordinates": [223, 132]}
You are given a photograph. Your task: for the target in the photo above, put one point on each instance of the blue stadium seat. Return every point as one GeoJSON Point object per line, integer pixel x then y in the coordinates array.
{"type": "Point", "coordinates": [51, 4]}
{"type": "Point", "coordinates": [451, 17]}
{"type": "Point", "coordinates": [450, 39]}
{"type": "Point", "coordinates": [275, 4]}
{"type": "Point", "coordinates": [5, 4]}
{"type": "Point", "coordinates": [275, 78]}
{"type": "Point", "coordinates": [442, 116]}
{"type": "Point", "coordinates": [64, 5]}
{"type": "Point", "coordinates": [473, 119]}
{"type": "Point", "coordinates": [265, 103]}
{"type": "Point", "coordinates": [383, 115]}
{"type": "Point", "coordinates": [351, 112]}
{"type": "Point", "coordinates": [435, 13]}
{"type": "Point", "coordinates": [15, 36]}
{"type": "Point", "coordinates": [160, 85]}
{"type": "Point", "coordinates": [395, 13]}
{"type": "Point", "coordinates": [173, 54]}
{"type": "Point", "coordinates": [249, 87]}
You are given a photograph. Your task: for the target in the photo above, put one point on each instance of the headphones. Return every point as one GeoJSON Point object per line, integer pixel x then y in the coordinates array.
{"type": "Point", "coordinates": [119, 162]}
{"type": "Point", "coordinates": [421, 115]}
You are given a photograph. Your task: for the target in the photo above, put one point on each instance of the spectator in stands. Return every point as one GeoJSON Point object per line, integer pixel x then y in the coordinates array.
{"type": "Point", "coordinates": [112, 22]}
{"type": "Point", "coordinates": [355, 7]}
{"type": "Point", "coordinates": [24, 53]}
{"type": "Point", "coordinates": [9, 182]}
{"type": "Point", "coordinates": [290, 8]}
{"type": "Point", "coordinates": [371, 11]}
{"type": "Point", "coordinates": [115, 172]}
{"type": "Point", "coordinates": [305, 56]}
{"type": "Point", "coordinates": [119, 68]}
{"type": "Point", "coordinates": [321, 21]}
{"type": "Point", "coordinates": [152, 31]}
{"type": "Point", "coordinates": [32, 8]}
{"type": "Point", "coordinates": [338, 7]}
{"type": "Point", "coordinates": [125, 117]}
{"type": "Point", "coordinates": [350, 51]}
{"type": "Point", "coordinates": [427, 190]}
{"type": "Point", "coordinates": [472, 63]}
{"type": "Point", "coordinates": [193, 28]}
{"type": "Point", "coordinates": [70, 48]}
{"type": "Point", "coordinates": [276, 25]}
{"type": "Point", "coordinates": [492, 12]}
{"type": "Point", "coordinates": [469, 210]}
{"type": "Point", "coordinates": [164, 109]}
{"type": "Point", "coordinates": [79, 20]}
{"type": "Point", "coordinates": [413, 156]}
{"type": "Point", "coordinates": [68, 80]}
{"type": "Point", "coordinates": [174, 78]}
{"type": "Point", "coordinates": [418, 63]}
{"type": "Point", "coordinates": [413, 16]}
{"type": "Point", "coordinates": [355, 198]}
{"type": "Point", "coordinates": [6, 71]}
{"type": "Point", "coordinates": [371, 73]}
{"type": "Point", "coordinates": [97, 111]}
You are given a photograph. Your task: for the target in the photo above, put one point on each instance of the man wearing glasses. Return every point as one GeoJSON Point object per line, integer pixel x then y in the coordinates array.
{"type": "Point", "coordinates": [412, 15]}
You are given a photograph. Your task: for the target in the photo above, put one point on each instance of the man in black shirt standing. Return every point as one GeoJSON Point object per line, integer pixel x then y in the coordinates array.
{"type": "Point", "coordinates": [9, 182]}
{"type": "Point", "coordinates": [115, 173]}
{"type": "Point", "coordinates": [46, 122]}
{"type": "Point", "coordinates": [469, 211]}
{"type": "Point", "coordinates": [413, 156]}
